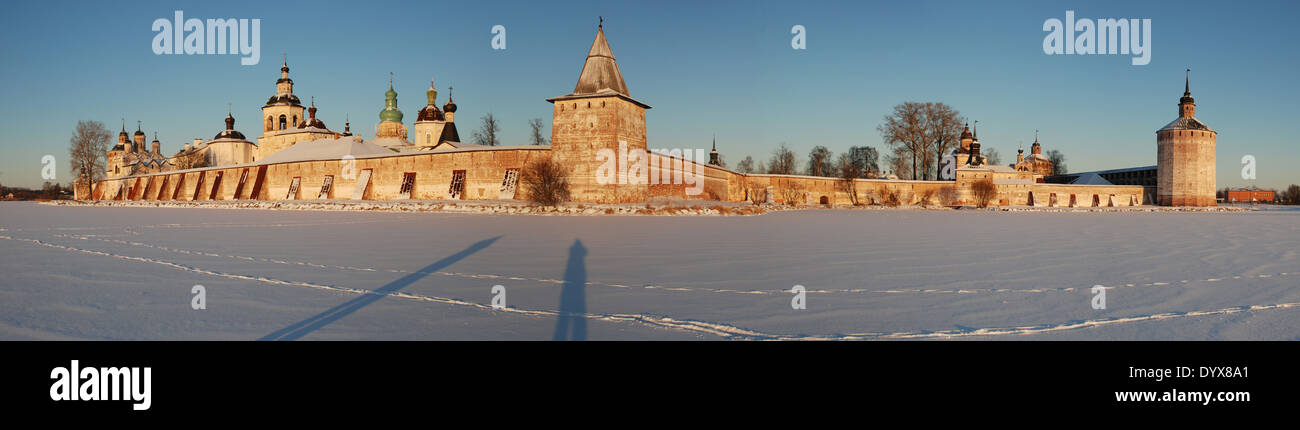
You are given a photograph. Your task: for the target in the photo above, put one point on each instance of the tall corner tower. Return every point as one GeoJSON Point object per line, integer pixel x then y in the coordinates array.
{"type": "Point", "coordinates": [597, 115]}
{"type": "Point", "coordinates": [1185, 157]}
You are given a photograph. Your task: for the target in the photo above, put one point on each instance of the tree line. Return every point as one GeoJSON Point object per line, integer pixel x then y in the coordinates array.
{"type": "Point", "coordinates": [917, 136]}
{"type": "Point", "coordinates": [489, 129]}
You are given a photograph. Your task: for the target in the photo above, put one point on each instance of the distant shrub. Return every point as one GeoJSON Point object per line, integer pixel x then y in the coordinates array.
{"type": "Point", "coordinates": [889, 197]}
{"type": "Point", "coordinates": [792, 192]}
{"type": "Point", "coordinates": [548, 182]}
{"type": "Point", "coordinates": [927, 197]}
{"type": "Point", "coordinates": [984, 192]}
{"type": "Point", "coordinates": [947, 195]}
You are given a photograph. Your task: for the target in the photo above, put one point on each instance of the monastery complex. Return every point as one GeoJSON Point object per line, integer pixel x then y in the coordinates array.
{"type": "Point", "coordinates": [297, 157]}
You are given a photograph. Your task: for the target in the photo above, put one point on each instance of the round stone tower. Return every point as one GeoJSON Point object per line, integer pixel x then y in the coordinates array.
{"type": "Point", "coordinates": [1185, 157]}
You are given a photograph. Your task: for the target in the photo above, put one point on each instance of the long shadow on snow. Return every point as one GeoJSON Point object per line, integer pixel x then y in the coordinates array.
{"type": "Point", "coordinates": [304, 327]}
{"type": "Point", "coordinates": [572, 321]}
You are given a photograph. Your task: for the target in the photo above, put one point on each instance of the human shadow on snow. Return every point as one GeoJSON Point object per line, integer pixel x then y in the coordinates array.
{"type": "Point", "coordinates": [305, 327]}
{"type": "Point", "coordinates": [572, 321]}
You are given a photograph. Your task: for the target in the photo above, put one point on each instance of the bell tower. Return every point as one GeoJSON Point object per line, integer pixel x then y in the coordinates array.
{"type": "Point", "coordinates": [283, 111]}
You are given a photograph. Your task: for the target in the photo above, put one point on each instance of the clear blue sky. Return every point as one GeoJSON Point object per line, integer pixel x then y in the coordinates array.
{"type": "Point", "coordinates": [706, 67]}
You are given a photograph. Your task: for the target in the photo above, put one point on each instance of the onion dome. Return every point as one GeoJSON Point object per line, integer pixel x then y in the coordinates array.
{"type": "Point", "coordinates": [390, 112]}
{"type": "Point", "coordinates": [311, 121]}
{"type": "Point", "coordinates": [229, 132]}
{"type": "Point", "coordinates": [450, 107]}
{"type": "Point", "coordinates": [430, 112]}
{"type": "Point", "coordinates": [965, 134]}
{"type": "Point", "coordinates": [138, 131]}
{"type": "Point", "coordinates": [284, 71]}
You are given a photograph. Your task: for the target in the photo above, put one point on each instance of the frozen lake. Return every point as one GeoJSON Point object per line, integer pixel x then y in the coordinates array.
{"type": "Point", "coordinates": [127, 273]}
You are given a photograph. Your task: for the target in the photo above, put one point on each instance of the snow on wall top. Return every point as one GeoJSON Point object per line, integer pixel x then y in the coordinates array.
{"type": "Point", "coordinates": [324, 149]}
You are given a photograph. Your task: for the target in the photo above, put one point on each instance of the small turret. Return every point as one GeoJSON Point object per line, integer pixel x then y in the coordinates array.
{"type": "Point", "coordinates": [1186, 104]}
{"type": "Point", "coordinates": [121, 137]}
{"type": "Point", "coordinates": [138, 137]}
{"type": "Point", "coordinates": [713, 155]}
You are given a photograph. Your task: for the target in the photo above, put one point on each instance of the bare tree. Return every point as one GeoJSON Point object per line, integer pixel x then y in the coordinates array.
{"type": "Point", "coordinates": [849, 171]}
{"type": "Point", "coordinates": [783, 161]}
{"type": "Point", "coordinates": [890, 197]}
{"type": "Point", "coordinates": [897, 162]}
{"type": "Point", "coordinates": [943, 128]}
{"type": "Point", "coordinates": [487, 132]}
{"type": "Point", "coordinates": [991, 156]}
{"type": "Point", "coordinates": [947, 195]}
{"type": "Point", "coordinates": [984, 192]}
{"type": "Point", "coordinates": [1058, 162]}
{"type": "Point", "coordinates": [191, 159]}
{"type": "Point", "coordinates": [1292, 194]}
{"type": "Point", "coordinates": [820, 162]}
{"type": "Point", "coordinates": [904, 130]}
{"type": "Point", "coordinates": [791, 192]}
{"type": "Point", "coordinates": [746, 165]}
{"type": "Point", "coordinates": [547, 181]}
{"type": "Point", "coordinates": [88, 149]}
{"type": "Point", "coordinates": [535, 125]}
{"type": "Point", "coordinates": [865, 158]}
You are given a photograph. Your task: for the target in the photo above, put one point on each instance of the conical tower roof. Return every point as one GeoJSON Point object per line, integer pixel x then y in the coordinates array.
{"type": "Point", "coordinates": [601, 70]}
{"type": "Point", "coordinates": [600, 74]}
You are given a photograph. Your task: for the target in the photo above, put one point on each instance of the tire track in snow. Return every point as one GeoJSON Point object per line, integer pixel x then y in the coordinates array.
{"type": "Point", "coordinates": [1047, 328]}
{"type": "Point", "coordinates": [667, 288]}
{"type": "Point", "coordinates": [660, 321]}
{"type": "Point", "coordinates": [723, 330]}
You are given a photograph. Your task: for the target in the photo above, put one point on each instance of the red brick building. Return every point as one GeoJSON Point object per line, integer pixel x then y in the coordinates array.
{"type": "Point", "coordinates": [1247, 195]}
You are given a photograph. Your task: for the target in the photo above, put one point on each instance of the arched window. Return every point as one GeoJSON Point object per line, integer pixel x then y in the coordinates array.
{"type": "Point", "coordinates": [295, 120]}
{"type": "Point", "coordinates": [270, 122]}
{"type": "Point", "coordinates": [428, 138]}
{"type": "Point", "coordinates": [282, 119]}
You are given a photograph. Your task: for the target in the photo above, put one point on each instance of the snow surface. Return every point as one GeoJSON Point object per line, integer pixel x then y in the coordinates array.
{"type": "Point", "coordinates": [73, 272]}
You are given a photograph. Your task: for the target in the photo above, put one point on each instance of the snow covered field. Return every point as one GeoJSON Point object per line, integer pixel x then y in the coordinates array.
{"type": "Point", "coordinates": [127, 273]}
